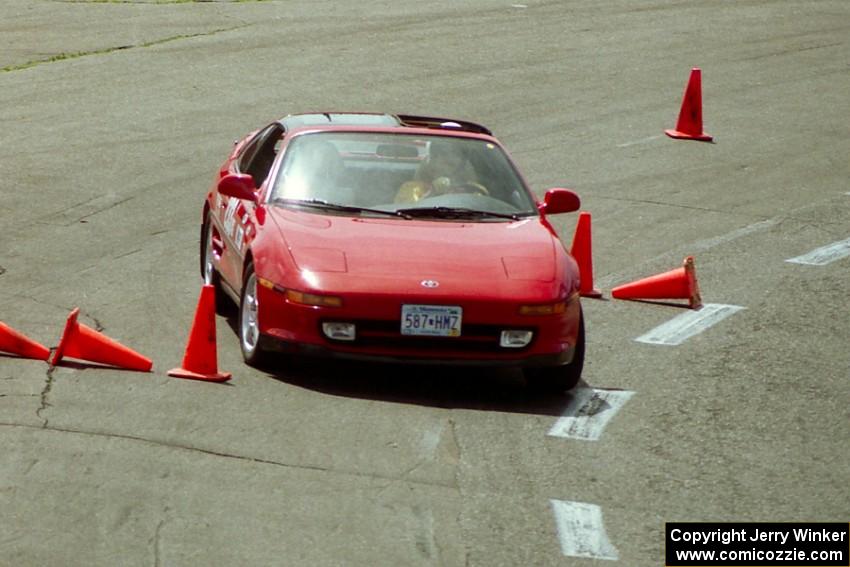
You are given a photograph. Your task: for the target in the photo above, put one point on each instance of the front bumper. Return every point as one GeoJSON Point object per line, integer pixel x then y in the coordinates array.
{"type": "Point", "coordinates": [322, 351]}
{"type": "Point", "coordinates": [296, 329]}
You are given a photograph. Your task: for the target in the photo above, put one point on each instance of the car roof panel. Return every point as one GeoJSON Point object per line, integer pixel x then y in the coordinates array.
{"type": "Point", "coordinates": [375, 120]}
{"type": "Point", "coordinates": [294, 121]}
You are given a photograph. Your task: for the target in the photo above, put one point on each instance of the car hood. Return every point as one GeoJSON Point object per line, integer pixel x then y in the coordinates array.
{"type": "Point", "coordinates": [491, 251]}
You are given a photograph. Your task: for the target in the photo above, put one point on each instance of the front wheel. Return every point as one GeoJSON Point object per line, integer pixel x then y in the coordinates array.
{"type": "Point", "coordinates": [559, 379]}
{"type": "Point", "coordinates": [249, 328]}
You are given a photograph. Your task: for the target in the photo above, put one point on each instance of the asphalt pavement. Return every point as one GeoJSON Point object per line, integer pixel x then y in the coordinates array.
{"type": "Point", "coordinates": [114, 117]}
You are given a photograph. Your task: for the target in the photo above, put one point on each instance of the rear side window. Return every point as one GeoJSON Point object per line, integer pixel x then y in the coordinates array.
{"type": "Point", "coordinates": [258, 156]}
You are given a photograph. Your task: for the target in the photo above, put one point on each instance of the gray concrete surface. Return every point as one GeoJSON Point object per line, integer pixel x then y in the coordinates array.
{"type": "Point", "coordinates": [113, 118]}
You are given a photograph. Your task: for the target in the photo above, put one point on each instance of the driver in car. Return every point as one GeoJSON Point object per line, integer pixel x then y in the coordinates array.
{"type": "Point", "coordinates": [446, 170]}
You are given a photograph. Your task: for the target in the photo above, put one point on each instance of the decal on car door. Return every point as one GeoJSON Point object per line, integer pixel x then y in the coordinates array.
{"type": "Point", "coordinates": [229, 216]}
{"type": "Point", "coordinates": [239, 239]}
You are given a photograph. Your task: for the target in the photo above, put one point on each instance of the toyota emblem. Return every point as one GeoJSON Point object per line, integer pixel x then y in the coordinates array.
{"type": "Point", "coordinates": [429, 283]}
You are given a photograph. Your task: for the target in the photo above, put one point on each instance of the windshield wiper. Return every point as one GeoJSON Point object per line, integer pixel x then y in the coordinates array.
{"type": "Point", "coordinates": [322, 204]}
{"type": "Point", "coordinates": [455, 212]}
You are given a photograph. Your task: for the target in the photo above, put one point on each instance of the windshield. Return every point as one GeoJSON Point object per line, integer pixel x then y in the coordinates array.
{"type": "Point", "coordinates": [433, 176]}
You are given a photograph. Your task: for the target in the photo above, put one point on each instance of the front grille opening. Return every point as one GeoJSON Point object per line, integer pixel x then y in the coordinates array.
{"type": "Point", "coordinates": [473, 338]}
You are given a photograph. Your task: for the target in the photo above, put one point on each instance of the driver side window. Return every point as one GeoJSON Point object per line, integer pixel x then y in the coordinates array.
{"type": "Point", "coordinates": [259, 154]}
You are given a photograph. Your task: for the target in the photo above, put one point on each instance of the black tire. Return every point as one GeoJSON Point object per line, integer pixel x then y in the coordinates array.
{"type": "Point", "coordinates": [209, 274]}
{"type": "Point", "coordinates": [250, 340]}
{"type": "Point", "coordinates": [559, 379]}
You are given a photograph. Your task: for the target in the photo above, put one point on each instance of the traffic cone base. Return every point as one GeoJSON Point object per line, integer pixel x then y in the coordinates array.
{"type": "Point", "coordinates": [685, 136]}
{"type": "Point", "coordinates": [200, 361]}
{"type": "Point", "coordinates": [17, 343]}
{"type": "Point", "coordinates": [689, 125]}
{"type": "Point", "coordinates": [591, 293]}
{"type": "Point", "coordinates": [581, 251]}
{"type": "Point", "coordinates": [84, 343]}
{"type": "Point", "coordinates": [680, 283]}
{"type": "Point", "coordinates": [183, 373]}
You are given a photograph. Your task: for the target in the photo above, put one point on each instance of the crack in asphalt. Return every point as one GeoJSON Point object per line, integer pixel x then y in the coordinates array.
{"type": "Point", "coordinates": [48, 386]}
{"type": "Point", "coordinates": [66, 209]}
{"type": "Point", "coordinates": [98, 326]}
{"type": "Point", "coordinates": [674, 205]}
{"type": "Point", "coordinates": [453, 454]}
{"type": "Point", "coordinates": [213, 453]}
{"type": "Point", "coordinates": [156, 541]}
{"type": "Point", "coordinates": [78, 54]}
{"type": "Point", "coordinates": [106, 208]}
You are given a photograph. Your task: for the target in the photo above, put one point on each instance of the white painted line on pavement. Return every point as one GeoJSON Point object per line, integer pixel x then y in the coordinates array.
{"type": "Point", "coordinates": [691, 248]}
{"type": "Point", "coordinates": [581, 531]}
{"type": "Point", "coordinates": [681, 328]}
{"type": "Point", "coordinates": [710, 243]}
{"type": "Point", "coordinates": [824, 255]}
{"type": "Point", "coordinates": [588, 413]}
{"type": "Point", "coordinates": [636, 142]}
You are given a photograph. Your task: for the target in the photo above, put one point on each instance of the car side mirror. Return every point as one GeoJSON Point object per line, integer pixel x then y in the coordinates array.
{"type": "Point", "coordinates": [239, 185]}
{"type": "Point", "coordinates": [558, 201]}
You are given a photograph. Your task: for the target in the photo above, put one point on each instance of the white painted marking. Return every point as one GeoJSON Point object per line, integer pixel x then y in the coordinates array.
{"type": "Point", "coordinates": [681, 328]}
{"type": "Point", "coordinates": [824, 255]}
{"type": "Point", "coordinates": [710, 243]}
{"type": "Point", "coordinates": [519, 6]}
{"type": "Point", "coordinates": [636, 142]}
{"type": "Point", "coordinates": [581, 531]}
{"type": "Point", "coordinates": [691, 248]}
{"type": "Point", "coordinates": [588, 413]}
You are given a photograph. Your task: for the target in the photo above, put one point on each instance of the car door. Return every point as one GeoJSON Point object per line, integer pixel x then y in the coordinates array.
{"type": "Point", "coordinates": [238, 219]}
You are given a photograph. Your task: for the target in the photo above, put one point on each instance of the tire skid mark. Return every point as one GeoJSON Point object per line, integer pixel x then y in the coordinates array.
{"type": "Point", "coordinates": [792, 51]}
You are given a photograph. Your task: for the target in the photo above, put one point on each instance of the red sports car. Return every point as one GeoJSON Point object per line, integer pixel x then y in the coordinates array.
{"type": "Point", "coordinates": [392, 238]}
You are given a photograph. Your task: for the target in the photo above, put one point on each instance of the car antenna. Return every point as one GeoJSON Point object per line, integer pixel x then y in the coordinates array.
{"type": "Point", "coordinates": [328, 116]}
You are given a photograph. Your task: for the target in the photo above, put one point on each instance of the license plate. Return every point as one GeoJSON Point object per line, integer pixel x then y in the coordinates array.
{"type": "Point", "coordinates": [431, 320]}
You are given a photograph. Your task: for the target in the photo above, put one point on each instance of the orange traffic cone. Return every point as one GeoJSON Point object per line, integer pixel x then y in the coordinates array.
{"type": "Point", "coordinates": [680, 283]}
{"type": "Point", "coordinates": [200, 360]}
{"type": "Point", "coordinates": [689, 126]}
{"type": "Point", "coordinates": [581, 251]}
{"type": "Point", "coordinates": [83, 342]}
{"type": "Point", "coordinates": [17, 343]}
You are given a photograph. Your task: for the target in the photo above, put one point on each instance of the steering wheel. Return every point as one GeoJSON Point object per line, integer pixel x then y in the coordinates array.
{"type": "Point", "coordinates": [472, 188]}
